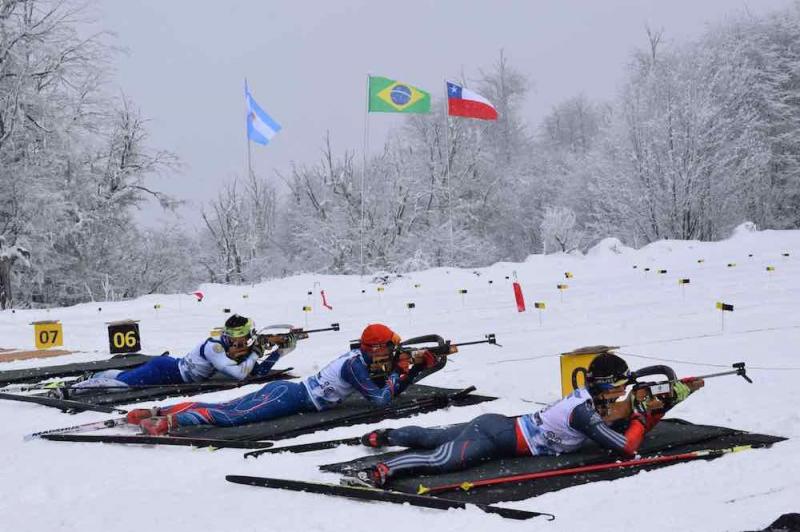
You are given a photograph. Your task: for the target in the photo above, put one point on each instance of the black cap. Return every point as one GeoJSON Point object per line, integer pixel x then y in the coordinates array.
{"type": "Point", "coordinates": [606, 371]}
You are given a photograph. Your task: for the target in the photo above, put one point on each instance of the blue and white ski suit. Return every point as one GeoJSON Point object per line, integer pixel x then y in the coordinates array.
{"type": "Point", "coordinates": [335, 382]}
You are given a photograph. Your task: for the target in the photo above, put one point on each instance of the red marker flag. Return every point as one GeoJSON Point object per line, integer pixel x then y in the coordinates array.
{"type": "Point", "coordinates": [519, 297]}
{"type": "Point", "coordinates": [325, 301]}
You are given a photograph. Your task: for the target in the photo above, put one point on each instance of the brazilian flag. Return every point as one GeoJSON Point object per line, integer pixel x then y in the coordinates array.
{"type": "Point", "coordinates": [392, 96]}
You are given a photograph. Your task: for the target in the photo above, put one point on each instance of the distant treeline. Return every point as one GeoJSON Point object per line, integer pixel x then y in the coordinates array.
{"type": "Point", "coordinates": [702, 136]}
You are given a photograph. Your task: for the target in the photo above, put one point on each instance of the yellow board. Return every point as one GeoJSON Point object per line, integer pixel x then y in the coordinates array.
{"type": "Point", "coordinates": [216, 332]}
{"type": "Point", "coordinates": [48, 334]}
{"type": "Point", "coordinates": [579, 358]}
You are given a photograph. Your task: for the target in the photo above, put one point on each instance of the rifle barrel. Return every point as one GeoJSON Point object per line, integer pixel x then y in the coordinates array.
{"type": "Point", "coordinates": [333, 327]}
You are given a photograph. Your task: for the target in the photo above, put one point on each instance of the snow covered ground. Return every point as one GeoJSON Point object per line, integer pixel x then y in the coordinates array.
{"type": "Point", "coordinates": [91, 487]}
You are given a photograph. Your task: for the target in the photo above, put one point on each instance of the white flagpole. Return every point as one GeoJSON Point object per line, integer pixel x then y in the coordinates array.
{"type": "Point", "coordinates": [364, 173]}
{"type": "Point", "coordinates": [247, 132]}
{"type": "Point", "coordinates": [447, 159]}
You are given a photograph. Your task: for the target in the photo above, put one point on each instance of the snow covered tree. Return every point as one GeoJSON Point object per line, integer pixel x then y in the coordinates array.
{"type": "Point", "coordinates": [558, 230]}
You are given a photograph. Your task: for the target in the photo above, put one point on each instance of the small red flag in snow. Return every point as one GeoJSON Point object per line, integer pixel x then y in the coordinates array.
{"type": "Point", "coordinates": [467, 103]}
{"type": "Point", "coordinates": [199, 295]}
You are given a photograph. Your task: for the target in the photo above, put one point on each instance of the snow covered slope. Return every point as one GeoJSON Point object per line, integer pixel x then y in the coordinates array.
{"type": "Point", "coordinates": [91, 487]}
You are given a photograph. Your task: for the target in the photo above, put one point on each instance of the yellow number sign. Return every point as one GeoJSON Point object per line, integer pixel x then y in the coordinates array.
{"type": "Point", "coordinates": [48, 334]}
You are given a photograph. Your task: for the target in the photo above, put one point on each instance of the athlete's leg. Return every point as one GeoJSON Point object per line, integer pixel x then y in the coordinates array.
{"type": "Point", "coordinates": [160, 370]}
{"type": "Point", "coordinates": [422, 437]}
{"type": "Point", "coordinates": [275, 399]}
{"type": "Point", "coordinates": [484, 438]}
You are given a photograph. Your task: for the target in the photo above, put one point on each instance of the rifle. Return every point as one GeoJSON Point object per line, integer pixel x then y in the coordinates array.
{"type": "Point", "coordinates": [412, 351]}
{"type": "Point", "coordinates": [268, 339]}
{"type": "Point", "coordinates": [664, 388]}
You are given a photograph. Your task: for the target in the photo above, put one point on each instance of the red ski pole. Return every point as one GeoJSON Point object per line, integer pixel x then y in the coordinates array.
{"type": "Point", "coordinates": [637, 462]}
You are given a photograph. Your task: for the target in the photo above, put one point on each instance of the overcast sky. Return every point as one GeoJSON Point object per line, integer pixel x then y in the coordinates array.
{"type": "Point", "coordinates": [306, 63]}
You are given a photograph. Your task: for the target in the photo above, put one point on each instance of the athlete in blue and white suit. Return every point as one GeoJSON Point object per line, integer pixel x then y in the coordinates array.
{"type": "Point", "coordinates": [234, 355]}
{"type": "Point", "coordinates": [561, 427]}
{"type": "Point", "coordinates": [341, 378]}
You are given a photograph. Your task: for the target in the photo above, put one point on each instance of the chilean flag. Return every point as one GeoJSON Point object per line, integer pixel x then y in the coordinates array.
{"type": "Point", "coordinates": [464, 102]}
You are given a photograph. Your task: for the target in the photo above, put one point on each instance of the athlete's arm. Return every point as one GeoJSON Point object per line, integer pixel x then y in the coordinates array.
{"type": "Point", "coordinates": [263, 368]}
{"type": "Point", "coordinates": [229, 367]}
{"type": "Point", "coordinates": [356, 373]}
{"type": "Point", "coordinates": [584, 418]}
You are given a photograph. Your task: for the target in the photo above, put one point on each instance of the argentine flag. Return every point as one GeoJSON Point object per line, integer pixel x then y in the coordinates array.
{"type": "Point", "coordinates": [260, 126]}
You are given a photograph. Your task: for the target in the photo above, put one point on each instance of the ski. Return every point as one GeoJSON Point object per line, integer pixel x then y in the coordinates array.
{"type": "Point", "coordinates": [374, 494]}
{"type": "Point", "coordinates": [637, 462]}
{"type": "Point", "coordinates": [85, 427]}
{"type": "Point", "coordinates": [158, 440]}
{"type": "Point", "coordinates": [62, 404]}
{"type": "Point", "coordinates": [305, 447]}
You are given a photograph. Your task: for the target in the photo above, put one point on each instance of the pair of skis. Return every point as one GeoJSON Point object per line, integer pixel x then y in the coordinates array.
{"type": "Point", "coordinates": [428, 496]}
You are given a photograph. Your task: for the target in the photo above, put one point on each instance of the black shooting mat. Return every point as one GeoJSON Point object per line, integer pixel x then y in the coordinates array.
{"type": "Point", "coordinates": [70, 370]}
{"type": "Point", "coordinates": [354, 410]}
{"type": "Point", "coordinates": [99, 396]}
{"type": "Point", "coordinates": [671, 436]}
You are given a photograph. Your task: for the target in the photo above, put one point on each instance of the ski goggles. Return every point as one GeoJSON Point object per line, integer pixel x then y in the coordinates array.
{"type": "Point", "coordinates": [605, 384]}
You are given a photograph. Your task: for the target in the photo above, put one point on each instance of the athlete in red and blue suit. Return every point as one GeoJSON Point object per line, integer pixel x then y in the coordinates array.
{"type": "Point", "coordinates": [589, 413]}
{"type": "Point", "coordinates": [325, 390]}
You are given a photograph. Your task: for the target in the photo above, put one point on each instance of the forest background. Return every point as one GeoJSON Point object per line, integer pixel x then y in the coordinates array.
{"type": "Point", "coordinates": [703, 135]}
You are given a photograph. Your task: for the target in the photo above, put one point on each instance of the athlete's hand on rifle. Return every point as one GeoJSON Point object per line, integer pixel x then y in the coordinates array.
{"type": "Point", "coordinates": [421, 358]}
{"type": "Point", "coordinates": [683, 388]}
{"type": "Point", "coordinates": [644, 402]}
{"type": "Point", "coordinates": [288, 344]}
{"type": "Point", "coordinates": [429, 359]}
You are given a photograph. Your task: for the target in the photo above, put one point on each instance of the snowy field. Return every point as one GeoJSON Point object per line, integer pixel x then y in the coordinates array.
{"type": "Point", "coordinates": [92, 487]}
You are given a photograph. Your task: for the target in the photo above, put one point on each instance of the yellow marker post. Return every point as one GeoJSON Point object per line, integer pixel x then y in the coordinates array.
{"type": "Point", "coordinates": [463, 292]}
{"type": "Point", "coordinates": [47, 334]}
{"type": "Point", "coordinates": [306, 310]}
{"type": "Point", "coordinates": [216, 332]}
{"type": "Point", "coordinates": [731, 265]}
{"type": "Point", "coordinates": [561, 288]}
{"type": "Point", "coordinates": [539, 305]}
{"type": "Point", "coordinates": [724, 307]}
{"type": "Point", "coordinates": [568, 275]}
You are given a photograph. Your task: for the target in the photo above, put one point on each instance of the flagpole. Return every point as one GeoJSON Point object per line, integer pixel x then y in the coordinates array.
{"type": "Point", "coordinates": [447, 158]}
{"type": "Point", "coordinates": [247, 133]}
{"type": "Point", "coordinates": [364, 173]}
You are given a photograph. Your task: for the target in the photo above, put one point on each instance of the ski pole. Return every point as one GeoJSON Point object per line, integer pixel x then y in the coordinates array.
{"type": "Point", "coordinates": [637, 462]}
{"type": "Point", "coordinates": [85, 427]}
